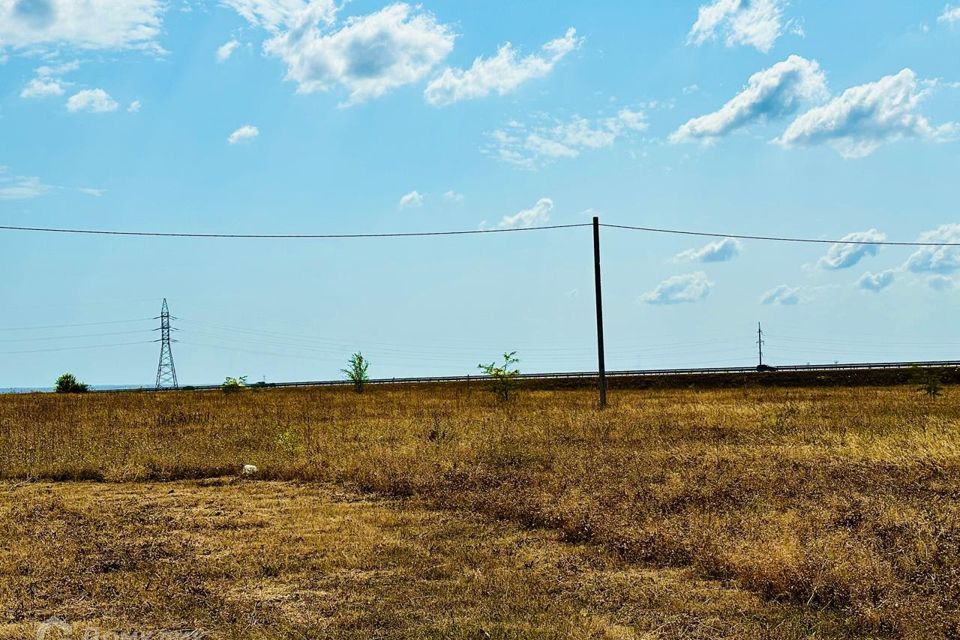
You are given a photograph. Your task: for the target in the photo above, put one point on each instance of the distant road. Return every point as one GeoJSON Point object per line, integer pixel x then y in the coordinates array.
{"type": "Point", "coordinates": [589, 375]}
{"type": "Point", "coordinates": [569, 375]}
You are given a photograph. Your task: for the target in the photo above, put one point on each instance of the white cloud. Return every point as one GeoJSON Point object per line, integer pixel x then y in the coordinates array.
{"type": "Point", "coordinates": [90, 191]}
{"type": "Point", "coordinates": [48, 81]}
{"type": "Point", "coordinates": [538, 214]}
{"type": "Point", "coordinates": [20, 187]}
{"type": "Point", "coordinates": [690, 287]}
{"type": "Point", "coordinates": [937, 259]}
{"type": "Point", "coordinates": [865, 117]}
{"type": "Point", "coordinates": [876, 281]}
{"type": "Point", "coordinates": [368, 55]}
{"type": "Point", "coordinates": [500, 74]}
{"type": "Point", "coordinates": [941, 283]}
{"type": "Point", "coordinates": [274, 14]}
{"type": "Point", "coordinates": [783, 295]}
{"type": "Point", "coordinates": [134, 107]}
{"type": "Point", "coordinates": [412, 199]}
{"type": "Point", "coordinates": [844, 255]}
{"type": "Point", "coordinates": [757, 23]}
{"type": "Point", "coordinates": [950, 15]}
{"type": "Point", "coordinates": [772, 93]}
{"type": "Point", "coordinates": [530, 147]}
{"type": "Point", "coordinates": [453, 196]}
{"type": "Point", "coordinates": [719, 251]}
{"type": "Point", "coordinates": [92, 100]}
{"type": "Point", "coordinates": [226, 50]}
{"type": "Point", "coordinates": [42, 88]}
{"type": "Point", "coordinates": [246, 133]}
{"type": "Point", "coordinates": [48, 71]}
{"type": "Point", "coordinates": [100, 24]}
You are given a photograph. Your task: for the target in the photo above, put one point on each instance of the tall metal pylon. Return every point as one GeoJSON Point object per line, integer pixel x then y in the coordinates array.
{"type": "Point", "coordinates": [760, 343]}
{"type": "Point", "coordinates": [166, 372]}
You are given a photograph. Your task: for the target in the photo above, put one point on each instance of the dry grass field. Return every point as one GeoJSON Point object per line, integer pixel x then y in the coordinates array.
{"type": "Point", "coordinates": [438, 512]}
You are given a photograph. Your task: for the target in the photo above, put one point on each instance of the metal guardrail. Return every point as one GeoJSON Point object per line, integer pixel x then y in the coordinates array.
{"type": "Point", "coordinates": [588, 375]}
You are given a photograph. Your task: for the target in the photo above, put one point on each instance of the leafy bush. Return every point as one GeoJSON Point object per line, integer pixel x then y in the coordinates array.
{"type": "Point", "coordinates": [68, 383]}
{"type": "Point", "coordinates": [929, 381]}
{"type": "Point", "coordinates": [233, 385]}
{"type": "Point", "coordinates": [356, 371]}
{"type": "Point", "coordinates": [931, 386]}
{"type": "Point", "coordinates": [504, 377]}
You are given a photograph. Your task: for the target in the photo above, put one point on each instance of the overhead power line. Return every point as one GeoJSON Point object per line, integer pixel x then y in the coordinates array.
{"type": "Point", "coordinates": [467, 232]}
{"type": "Point", "coordinates": [71, 326]}
{"type": "Point", "coordinates": [706, 234]}
{"type": "Point", "coordinates": [93, 346]}
{"type": "Point", "coordinates": [289, 236]}
{"type": "Point", "coordinates": [72, 337]}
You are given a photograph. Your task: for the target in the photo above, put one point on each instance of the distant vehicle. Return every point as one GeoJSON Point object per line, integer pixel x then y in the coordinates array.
{"type": "Point", "coordinates": [763, 368]}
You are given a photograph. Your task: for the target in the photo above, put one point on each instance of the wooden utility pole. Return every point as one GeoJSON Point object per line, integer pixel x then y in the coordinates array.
{"type": "Point", "coordinates": [602, 369]}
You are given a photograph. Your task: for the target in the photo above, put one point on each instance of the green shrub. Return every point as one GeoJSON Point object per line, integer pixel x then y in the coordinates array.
{"type": "Point", "coordinates": [356, 371]}
{"type": "Point", "coordinates": [504, 377]}
{"type": "Point", "coordinates": [233, 385]}
{"type": "Point", "coordinates": [68, 383]}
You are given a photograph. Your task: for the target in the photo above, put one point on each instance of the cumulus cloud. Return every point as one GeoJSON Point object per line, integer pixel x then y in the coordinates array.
{"type": "Point", "coordinates": [530, 147]}
{"type": "Point", "coordinates": [719, 251]}
{"type": "Point", "coordinates": [876, 281]}
{"type": "Point", "coordinates": [772, 93]}
{"type": "Point", "coordinates": [134, 107]}
{"type": "Point", "coordinates": [865, 117]}
{"type": "Point", "coordinates": [20, 187]}
{"type": "Point", "coordinates": [940, 283]}
{"type": "Point", "coordinates": [226, 50]}
{"type": "Point", "coordinates": [48, 81]}
{"type": "Point", "coordinates": [940, 260]}
{"type": "Point", "coordinates": [412, 199]}
{"type": "Point", "coordinates": [950, 15]}
{"type": "Point", "coordinates": [92, 100]}
{"type": "Point", "coordinates": [453, 196]}
{"type": "Point", "coordinates": [690, 287]}
{"type": "Point", "coordinates": [756, 23]}
{"type": "Point", "coordinates": [538, 214]}
{"type": "Point", "coordinates": [246, 133]}
{"type": "Point", "coordinates": [100, 25]}
{"type": "Point", "coordinates": [274, 14]}
{"type": "Point", "coordinates": [852, 250]}
{"type": "Point", "coordinates": [42, 88]}
{"type": "Point", "coordinates": [92, 192]}
{"type": "Point", "coordinates": [367, 55]}
{"type": "Point", "coordinates": [500, 74]}
{"type": "Point", "coordinates": [783, 295]}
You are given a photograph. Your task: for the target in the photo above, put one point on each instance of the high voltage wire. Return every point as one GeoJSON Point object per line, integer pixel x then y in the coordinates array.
{"type": "Point", "coordinates": [425, 234]}
{"type": "Point", "coordinates": [87, 335]}
{"type": "Point", "coordinates": [706, 234]}
{"type": "Point", "coordinates": [290, 236]}
{"type": "Point", "coordinates": [71, 326]}
{"type": "Point", "coordinates": [413, 349]}
{"type": "Point", "coordinates": [93, 346]}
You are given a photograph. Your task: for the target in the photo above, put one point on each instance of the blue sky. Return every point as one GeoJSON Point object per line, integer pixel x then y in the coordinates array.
{"type": "Point", "coordinates": [800, 118]}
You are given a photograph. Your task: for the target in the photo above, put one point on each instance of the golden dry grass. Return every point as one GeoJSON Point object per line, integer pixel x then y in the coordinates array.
{"type": "Point", "coordinates": [837, 508]}
{"type": "Point", "coordinates": [276, 560]}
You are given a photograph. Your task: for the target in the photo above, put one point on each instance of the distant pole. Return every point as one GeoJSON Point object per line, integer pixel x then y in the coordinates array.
{"type": "Point", "coordinates": [760, 343]}
{"type": "Point", "coordinates": [596, 274]}
{"type": "Point", "coordinates": [166, 372]}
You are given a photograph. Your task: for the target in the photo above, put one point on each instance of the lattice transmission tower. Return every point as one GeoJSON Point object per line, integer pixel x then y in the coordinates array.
{"type": "Point", "coordinates": [760, 343]}
{"type": "Point", "coordinates": [166, 372]}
